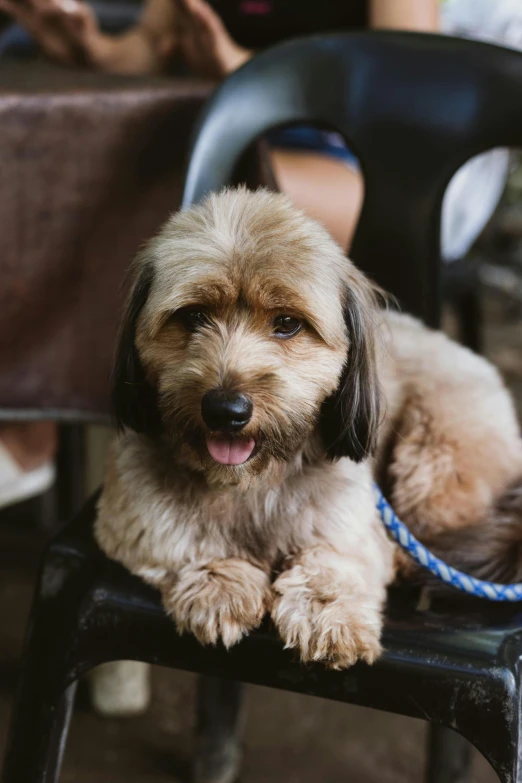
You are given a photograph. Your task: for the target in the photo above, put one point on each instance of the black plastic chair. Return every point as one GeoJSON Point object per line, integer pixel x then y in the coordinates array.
{"type": "Point", "coordinates": [413, 108]}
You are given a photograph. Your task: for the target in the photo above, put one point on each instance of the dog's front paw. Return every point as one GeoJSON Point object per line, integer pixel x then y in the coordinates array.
{"type": "Point", "coordinates": [324, 625]}
{"type": "Point", "coordinates": [222, 599]}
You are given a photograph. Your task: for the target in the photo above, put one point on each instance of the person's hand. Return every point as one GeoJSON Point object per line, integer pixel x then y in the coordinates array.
{"type": "Point", "coordinates": [66, 30]}
{"type": "Point", "coordinates": [204, 41]}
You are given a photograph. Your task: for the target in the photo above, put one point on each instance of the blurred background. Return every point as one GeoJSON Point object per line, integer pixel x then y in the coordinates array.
{"type": "Point", "coordinates": [97, 105]}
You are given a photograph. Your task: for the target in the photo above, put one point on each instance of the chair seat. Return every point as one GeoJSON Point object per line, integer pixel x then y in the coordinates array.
{"type": "Point", "coordinates": [453, 664]}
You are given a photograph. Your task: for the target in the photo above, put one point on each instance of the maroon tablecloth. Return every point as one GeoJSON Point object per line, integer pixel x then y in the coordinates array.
{"type": "Point", "coordinates": [90, 165]}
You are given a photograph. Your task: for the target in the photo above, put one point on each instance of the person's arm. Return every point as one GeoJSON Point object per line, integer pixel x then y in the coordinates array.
{"type": "Point", "coordinates": [68, 31]}
{"type": "Point", "coordinates": [146, 47]}
{"type": "Point", "coordinates": [419, 15]}
{"type": "Point", "coordinates": [205, 43]}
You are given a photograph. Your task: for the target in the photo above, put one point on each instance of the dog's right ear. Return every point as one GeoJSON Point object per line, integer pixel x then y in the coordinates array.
{"type": "Point", "coordinates": [134, 400]}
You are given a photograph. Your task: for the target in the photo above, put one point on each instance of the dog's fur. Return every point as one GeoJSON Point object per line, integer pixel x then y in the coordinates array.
{"type": "Point", "coordinates": [293, 531]}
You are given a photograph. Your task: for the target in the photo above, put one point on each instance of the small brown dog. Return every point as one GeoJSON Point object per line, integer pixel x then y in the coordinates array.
{"type": "Point", "coordinates": [252, 362]}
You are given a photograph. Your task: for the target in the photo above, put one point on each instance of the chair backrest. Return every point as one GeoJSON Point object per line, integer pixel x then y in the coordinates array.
{"type": "Point", "coordinates": [413, 108]}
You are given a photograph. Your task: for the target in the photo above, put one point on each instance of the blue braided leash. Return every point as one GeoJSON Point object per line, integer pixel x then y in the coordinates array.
{"type": "Point", "coordinates": [444, 572]}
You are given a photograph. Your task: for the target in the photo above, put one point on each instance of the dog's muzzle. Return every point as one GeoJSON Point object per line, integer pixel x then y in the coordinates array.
{"type": "Point", "coordinates": [227, 413]}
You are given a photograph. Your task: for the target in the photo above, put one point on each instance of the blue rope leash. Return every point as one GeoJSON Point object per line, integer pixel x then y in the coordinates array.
{"type": "Point", "coordinates": [444, 572]}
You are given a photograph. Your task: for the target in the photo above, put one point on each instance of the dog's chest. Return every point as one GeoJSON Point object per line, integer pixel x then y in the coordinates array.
{"type": "Point", "coordinates": [180, 520]}
{"type": "Point", "coordinates": [260, 525]}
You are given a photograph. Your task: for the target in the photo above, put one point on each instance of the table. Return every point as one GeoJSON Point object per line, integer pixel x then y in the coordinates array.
{"type": "Point", "coordinates": [90, 165]}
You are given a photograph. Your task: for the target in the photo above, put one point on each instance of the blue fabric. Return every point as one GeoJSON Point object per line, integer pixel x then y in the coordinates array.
{"type": "Point", "coordinates": [15, 40]}
{"type": "Point", "coordinates": [303, 137]}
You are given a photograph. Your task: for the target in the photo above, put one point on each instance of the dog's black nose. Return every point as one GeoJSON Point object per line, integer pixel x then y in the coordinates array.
{"type": "Point", "coordinates": [226, 411]}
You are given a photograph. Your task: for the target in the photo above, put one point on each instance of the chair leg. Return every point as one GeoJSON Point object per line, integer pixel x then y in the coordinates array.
{"type": "Point", "coordinates": [67, 495]}
{"type": "Point", "coordinates": [449, 756]}
{"type": "Point", "coordinates": [71, 470]}
{"type": "Point", "coordinates": [45, 695]}
{"type": "Point", "coordinates": [39, 726]}
{"type": "Point", "coordinates": [59, 734]}
{"type": "Point", "coordinates": [219, 730]}
{"type": "Point", "coordinates": [469, 314]}
{"type": "Point", "coordinates": [463, 291]}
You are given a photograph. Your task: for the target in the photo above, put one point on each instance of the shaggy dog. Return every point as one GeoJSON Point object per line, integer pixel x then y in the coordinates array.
{"type": "Point", "coordinates": [259, 388]}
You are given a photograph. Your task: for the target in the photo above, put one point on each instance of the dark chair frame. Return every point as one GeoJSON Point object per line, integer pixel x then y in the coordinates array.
{"type": "Point", "coordinates": [413, 108]}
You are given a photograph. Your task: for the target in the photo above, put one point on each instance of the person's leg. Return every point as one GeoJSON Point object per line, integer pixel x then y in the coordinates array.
{"type": "Point", "coordinates": [324, 187]}
{"type": "Point", "coordinates": [30, 443]}
{"type": "Point", "coordinates": [27, 451]}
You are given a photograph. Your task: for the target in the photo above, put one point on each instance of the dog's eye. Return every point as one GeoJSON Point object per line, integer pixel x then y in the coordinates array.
{"type": "Point", "coordinates": [192, 318]}
{"type": "Point", "coordinates": [286, 326]}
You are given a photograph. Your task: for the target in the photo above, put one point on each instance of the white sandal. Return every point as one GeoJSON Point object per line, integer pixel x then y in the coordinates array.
{"type": "Point", "coordinates": [17, 484]}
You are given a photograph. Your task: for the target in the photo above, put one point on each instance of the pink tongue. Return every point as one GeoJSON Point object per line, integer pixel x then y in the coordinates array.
{"type": "Point", "coordinates": [230, 451]}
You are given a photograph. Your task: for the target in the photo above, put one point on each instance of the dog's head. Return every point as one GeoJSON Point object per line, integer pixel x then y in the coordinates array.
{"type": "Point", "coordinates": [246, 330]}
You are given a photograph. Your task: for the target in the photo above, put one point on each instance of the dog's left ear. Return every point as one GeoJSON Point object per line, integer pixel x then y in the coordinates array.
{"type": "Point", "coordinates": [350, 417]}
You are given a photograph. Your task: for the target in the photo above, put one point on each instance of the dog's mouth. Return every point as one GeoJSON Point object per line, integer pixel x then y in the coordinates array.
{"type": "Point", "coordinates": [230, 451]}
